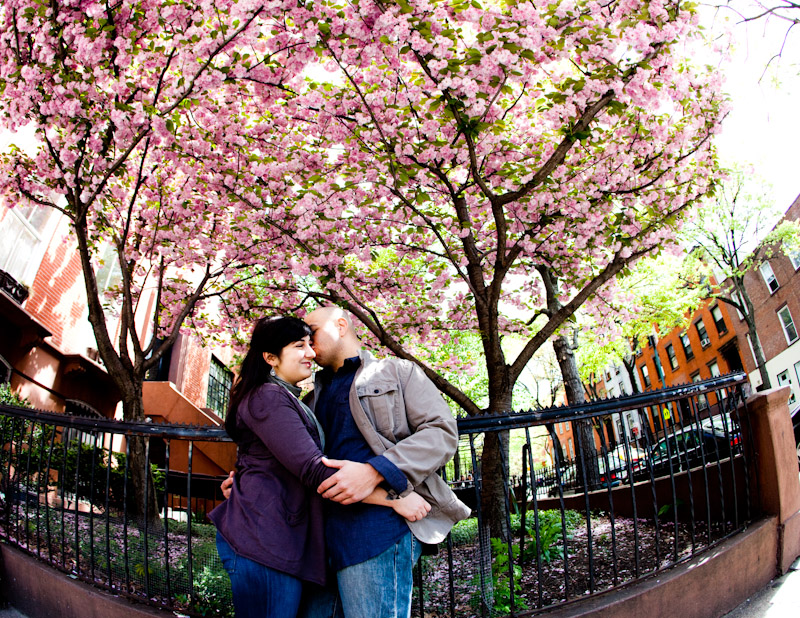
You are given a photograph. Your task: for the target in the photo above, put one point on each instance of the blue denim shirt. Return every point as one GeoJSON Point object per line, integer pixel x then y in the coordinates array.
{"type": "Point", "coordinates": [356, 532]}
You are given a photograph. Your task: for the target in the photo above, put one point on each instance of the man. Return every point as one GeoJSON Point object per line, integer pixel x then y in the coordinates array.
{"type": "Point", "coordinates": [390, 423]}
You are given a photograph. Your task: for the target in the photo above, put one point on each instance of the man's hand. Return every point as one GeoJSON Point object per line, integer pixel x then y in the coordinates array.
{"type": "Point", "coordinates": [413, 507]}
{"type": "Point", "coordinates": [352, 483]}
{"type": "Point", "coordinates": [227, 484]}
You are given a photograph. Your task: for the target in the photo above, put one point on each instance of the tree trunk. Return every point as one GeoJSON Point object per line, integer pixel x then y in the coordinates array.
{"type": "Point", "coordinates": [582, 429]}
{"type": "Point", "coordinates": [758, 352]}
{"type": "Point", "coordinates": [494, 493]}
{"type": "Point", "coordinates": [143, 504]}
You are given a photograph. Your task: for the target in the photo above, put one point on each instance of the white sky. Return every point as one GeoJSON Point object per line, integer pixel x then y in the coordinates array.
{"type": "Point", "coordinates": [763, 127]}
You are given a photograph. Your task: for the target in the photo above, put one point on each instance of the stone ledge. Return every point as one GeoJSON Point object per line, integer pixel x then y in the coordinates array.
{"type": "Point", "coordinates": [36, 589]}
{"type": "Point", "coordinates": [705, 587]}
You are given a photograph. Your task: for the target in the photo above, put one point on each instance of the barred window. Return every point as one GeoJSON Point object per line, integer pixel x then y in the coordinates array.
{"type": "Point", "coordinates": [220, 380]}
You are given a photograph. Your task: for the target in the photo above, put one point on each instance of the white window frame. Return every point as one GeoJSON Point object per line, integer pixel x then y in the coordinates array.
{"type": "Point", "coordinates": [794, 258]}
{"type": "Point", "coordinates": [39, 245]}
{"type": "Point", "coordinates": [784, 379]}
{"type": "Point", "coordinates": [769, 277]}
{"type": "Point", "coordinates": [752, 349]}
{"type": "Point", "coordinates": [784, 311]}
{"type": "Point", "coordinates": [705, 340]}
{"type": "Point", "coordinates": [645, 375]}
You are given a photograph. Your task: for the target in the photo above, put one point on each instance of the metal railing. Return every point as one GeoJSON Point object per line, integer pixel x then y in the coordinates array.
{"type": "Point", "coordinates": [583, 525]}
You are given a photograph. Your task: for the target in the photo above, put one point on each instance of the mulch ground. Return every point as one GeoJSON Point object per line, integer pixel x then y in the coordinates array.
{"type": "Point", "coordinates": [619, 553]}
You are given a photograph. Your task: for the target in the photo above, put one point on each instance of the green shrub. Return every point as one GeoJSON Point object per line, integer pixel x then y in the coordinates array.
{"type": "Point", "coordinates": [465, 531]}
{"type": "Point", "coordinates": [10, 398]}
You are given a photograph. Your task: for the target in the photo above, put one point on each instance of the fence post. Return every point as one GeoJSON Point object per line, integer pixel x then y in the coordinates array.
{"type": "Point", "coordinates": [777, 480]}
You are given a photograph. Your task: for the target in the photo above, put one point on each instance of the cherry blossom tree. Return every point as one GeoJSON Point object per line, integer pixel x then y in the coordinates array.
{"type": "Point", "coordinates": [140, 108]}
{"type": "Point", "coordinates": [472, 146]}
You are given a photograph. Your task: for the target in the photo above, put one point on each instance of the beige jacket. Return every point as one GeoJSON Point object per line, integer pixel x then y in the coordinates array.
{"type": "Point", "coordinates": [403, 417]}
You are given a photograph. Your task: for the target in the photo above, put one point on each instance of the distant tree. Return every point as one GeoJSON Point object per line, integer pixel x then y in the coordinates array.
{"type": "Point", "coordinates": [734, 233]}
{"type": "Point", "coordinates": [652, 297]}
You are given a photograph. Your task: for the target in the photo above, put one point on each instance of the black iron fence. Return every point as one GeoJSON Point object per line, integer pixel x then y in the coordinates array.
{"type": "Point", "coordinates": [623, 509]}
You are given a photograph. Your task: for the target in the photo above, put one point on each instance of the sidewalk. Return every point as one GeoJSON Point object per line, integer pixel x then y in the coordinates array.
{"type": "Point", "coordinates": [780, 599]}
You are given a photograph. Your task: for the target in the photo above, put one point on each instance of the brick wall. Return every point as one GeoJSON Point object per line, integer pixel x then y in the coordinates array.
{"type": "Point", "coordinates": [58, 297]}
{"type": "Point", "coordinates": [766, 304]}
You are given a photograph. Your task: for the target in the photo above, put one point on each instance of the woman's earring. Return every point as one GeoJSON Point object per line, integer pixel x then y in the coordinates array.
{"type": "Point", "coordinates": [272, 371]}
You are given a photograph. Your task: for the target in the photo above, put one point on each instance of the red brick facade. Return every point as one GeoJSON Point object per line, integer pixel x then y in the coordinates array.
{"type": "Point", "coordinates": [50, 343]}
{"type": "Point", "coordinates": [781, 354]}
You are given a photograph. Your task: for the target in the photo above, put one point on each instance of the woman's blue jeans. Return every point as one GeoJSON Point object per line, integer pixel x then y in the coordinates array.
{"type": "Point", "coordinates": [259, 591]}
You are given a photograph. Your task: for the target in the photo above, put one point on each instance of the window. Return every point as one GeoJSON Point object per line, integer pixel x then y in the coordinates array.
{"type": "Point", "coordinates": [785, 380]}
{"type": "Point", "coordinates": [655, 414]}
{"type": "Point", "coordinates": [713, 367]}
{"type": "Point", "coordinates": [571, 449]}
{"type": "Point", "coordinates": [109, 276]}
{"type": "Point", "coordinates": [561, 428]}
{"type": "Point", "coordinates": [673, 359]}
{"type": "Point", "coordinates": [21, 240]}
{"type": "Point", "coordinates": [701, 331]}
{"type": "Point", "coordinates": [219, 387]}
{"type": "Point", "coordinates": [702, 402]}
{"type": "Point", "coordinates": [752, 349]}
{"type": "Point", "coordinates": [719, 321]}
{"type": "Point", "coordinates": [794, 258]}
{"type": "Point", "coordinates": [645, 375]}
{"type": "Point", "coordinates": [769, 277]}
{"type": "Point", "coordinates": [738, 300]}
{"type": "Point", "coordinates": [788, 324]}
{"type": "Point", "coordinates": [687, 346]}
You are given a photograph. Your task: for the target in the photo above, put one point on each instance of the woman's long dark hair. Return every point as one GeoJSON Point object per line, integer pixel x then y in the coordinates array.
{"type": "Point", "coordinates": [271, 334]}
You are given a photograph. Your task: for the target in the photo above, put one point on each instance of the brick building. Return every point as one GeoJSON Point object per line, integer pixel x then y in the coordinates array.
{"type": "Point", "coordinates": [47, 347]}
{"type": "Point", "coordinates": [774, 289]}
{"type": "Point", "coordinates": [707, 348]}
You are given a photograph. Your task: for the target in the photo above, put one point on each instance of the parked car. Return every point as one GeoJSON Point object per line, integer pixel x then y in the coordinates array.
{"type": "Point", "coordinates": [687, 448]}
{"type": "Point", "coordinates": [621, 456]}
{"type": "Point", "coordinates": [722, 425]}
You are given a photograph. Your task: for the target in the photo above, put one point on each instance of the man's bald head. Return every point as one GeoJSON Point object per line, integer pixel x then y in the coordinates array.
{"type": "Point", "coordinates": [333, 336]}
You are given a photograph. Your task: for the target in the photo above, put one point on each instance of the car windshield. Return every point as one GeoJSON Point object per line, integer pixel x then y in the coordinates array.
{"type": "Point", "coordinates": [719, 423]}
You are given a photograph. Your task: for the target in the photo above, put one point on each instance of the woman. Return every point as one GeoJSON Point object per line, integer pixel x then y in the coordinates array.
{"type": "Point", "coordinates": [269, 532]}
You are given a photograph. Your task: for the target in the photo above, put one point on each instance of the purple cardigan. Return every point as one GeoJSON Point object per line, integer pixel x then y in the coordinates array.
{"type": "Point", "coordinates": [274, 514]}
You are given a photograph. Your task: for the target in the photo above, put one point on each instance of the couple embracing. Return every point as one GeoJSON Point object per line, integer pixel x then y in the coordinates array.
{"type": "Point", "coordinates": [332, 497]}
